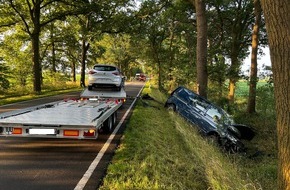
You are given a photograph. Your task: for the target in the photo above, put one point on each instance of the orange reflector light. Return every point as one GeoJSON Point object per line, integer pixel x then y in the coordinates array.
{"type": "Point", "coordinates": [17, 131]}
{"type": "Point", "coordinates": [70, 133]}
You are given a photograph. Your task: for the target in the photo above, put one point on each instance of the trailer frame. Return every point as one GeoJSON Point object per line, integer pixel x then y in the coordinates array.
{"type": "Point", "coordinates": [82, 118]}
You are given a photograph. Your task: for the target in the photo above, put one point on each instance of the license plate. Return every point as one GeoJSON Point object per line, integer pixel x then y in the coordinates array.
{"type": "Point", "coordinates": [104, 79]}
{"type": "Point", "coordinates": [42, 131]}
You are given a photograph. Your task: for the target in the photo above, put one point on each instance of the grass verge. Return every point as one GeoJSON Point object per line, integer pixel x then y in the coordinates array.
{"type": "Point", "coordinates": [159, 150]}
{"type": "Point", "coordinates": [18, 97]}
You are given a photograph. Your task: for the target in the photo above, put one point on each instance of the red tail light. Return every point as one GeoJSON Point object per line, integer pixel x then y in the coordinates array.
{"type": "Point", "coordinates": [91, 72]}
{"type": "Point", "coordinates": [89, 133]}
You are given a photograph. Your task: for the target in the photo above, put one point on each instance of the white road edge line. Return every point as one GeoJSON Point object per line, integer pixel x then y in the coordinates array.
{"type": "Point", "coordinates": [82, 183]}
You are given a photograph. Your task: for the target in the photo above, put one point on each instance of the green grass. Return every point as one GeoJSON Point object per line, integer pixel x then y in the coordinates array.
{"type": "Point", "coordinates": [242, 88]}
{"type": "Point", "coordinates": [25, 93]}
{"type": "Point", "coordinates": [159, 150]}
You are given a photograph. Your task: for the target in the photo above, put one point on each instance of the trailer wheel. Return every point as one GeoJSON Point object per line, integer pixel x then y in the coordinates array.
{"type": "Point", "coordinates": [108, 125]}
{"type": "Point", "coordinates": [114, 118]}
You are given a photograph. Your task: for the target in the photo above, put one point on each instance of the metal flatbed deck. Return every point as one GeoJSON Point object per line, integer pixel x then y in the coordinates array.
{"type": "Point", "coordinates": [71, 113]}
{"type": "Point", "coordinates": [103, 93]}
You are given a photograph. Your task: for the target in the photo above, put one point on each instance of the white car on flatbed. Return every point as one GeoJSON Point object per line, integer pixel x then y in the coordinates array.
{"type": "Point", "coordinates": [80, 119]}
{"type": "Point", "coordinates": [106, 76]}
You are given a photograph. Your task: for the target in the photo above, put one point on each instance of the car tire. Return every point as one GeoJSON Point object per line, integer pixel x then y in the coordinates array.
{"type": "Point", "coordinates": [214, 139]}
{"type": "Point", "coordinates": [171, 107]}
{"type": "Point", "coordinates": [90, 87]}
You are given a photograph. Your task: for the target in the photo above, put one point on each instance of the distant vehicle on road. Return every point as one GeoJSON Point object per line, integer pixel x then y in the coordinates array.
{"type": "Point", "coordinates": [140, 77]}
{"type": "Point", "coordinates": [106, 76]}
{"type": "Point", "coordinates": [210, 119]}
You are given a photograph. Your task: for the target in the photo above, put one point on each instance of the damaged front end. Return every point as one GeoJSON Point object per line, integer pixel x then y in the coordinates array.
{"type": "Point", "coordinates": [232, 140]}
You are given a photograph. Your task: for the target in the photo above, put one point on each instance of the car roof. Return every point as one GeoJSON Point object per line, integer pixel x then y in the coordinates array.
{"type": "Point", "coordinates": [199, 96]}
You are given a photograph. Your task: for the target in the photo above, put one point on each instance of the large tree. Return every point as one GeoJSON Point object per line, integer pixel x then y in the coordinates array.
{"type": "Point", "coordinates": [201, 47]}
{"type": "Point", "coordinates": [254, 65]}
{"type": "Point", "coordinates": [277, 20]}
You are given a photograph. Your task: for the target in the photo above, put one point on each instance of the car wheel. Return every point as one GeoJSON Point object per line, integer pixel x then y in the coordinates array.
{"type": "Point", "coordinates": [237, 148]}
{"type": "Point", "coordinates": [171, 107]}
{"type": "Point", "coordinates": [90, 87]}
{"type": "Point", "coordinates": [214, 139]}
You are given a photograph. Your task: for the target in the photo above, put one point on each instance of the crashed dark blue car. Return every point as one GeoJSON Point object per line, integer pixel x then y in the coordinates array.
{"type": "Point", "coordinates": [210, 119]}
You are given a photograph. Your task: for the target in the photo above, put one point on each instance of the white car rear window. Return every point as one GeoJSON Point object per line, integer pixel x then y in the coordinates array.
{"type": "Point", "coordinates": [104, 68]}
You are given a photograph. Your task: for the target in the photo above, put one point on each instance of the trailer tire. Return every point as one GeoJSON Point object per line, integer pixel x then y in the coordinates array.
{"type": "Point", "coordinates": [114, 118]}
{"type": "Point", "coordinates": [108, 125]}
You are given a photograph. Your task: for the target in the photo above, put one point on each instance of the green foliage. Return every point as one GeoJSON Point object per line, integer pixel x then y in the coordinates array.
{"type": "Point", "coordinates": [16, 55]}
{"type": "Point", "coordinates": [265, 93]}
{"type": "Point", "coordinates": [118, 49]}
{"type": "Point", "coordinates": [167, 37]}
{"type": "Point", "coordinates": [158, 38]}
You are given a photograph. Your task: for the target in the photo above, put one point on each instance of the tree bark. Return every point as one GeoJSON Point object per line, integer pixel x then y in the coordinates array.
{"type": "Point", "coordinates": [35, 16]}
{"type": "Point", "coordinates": [255, 43]}
{"type": "Point", "coordinates": [201, 48]}
{"type": "Point", "coordinates": [233, 73]}
{"type": "Point", "coordinates": [277, 19]}
{"type": "Point", "coordinates": [53, 54]}
{"type": "Point", "coordinates": [85, 48]}
{"type": "Point", "coordinates": [36, 64]}
{"type": "Point", "coordinates": [73, 66]}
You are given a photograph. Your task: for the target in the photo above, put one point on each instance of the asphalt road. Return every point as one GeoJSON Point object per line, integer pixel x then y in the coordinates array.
{"type": "Point", "coordinates": [43, 163]}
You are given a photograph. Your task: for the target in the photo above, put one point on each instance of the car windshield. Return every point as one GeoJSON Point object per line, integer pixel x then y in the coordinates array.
{"type": "Point", "coordinates": [104, 68]}
{"type": "Point", "coordinates": [205, 107]}
{"type": "Point", "coordinates": [219, 115]}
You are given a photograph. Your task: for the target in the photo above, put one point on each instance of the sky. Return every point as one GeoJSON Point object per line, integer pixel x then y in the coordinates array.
{"type": "Point", "coordinates": [262, 60]}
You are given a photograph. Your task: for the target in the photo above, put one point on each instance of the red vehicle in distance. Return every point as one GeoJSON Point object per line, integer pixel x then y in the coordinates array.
{"type": "Point", "coordinates": [140, 77]}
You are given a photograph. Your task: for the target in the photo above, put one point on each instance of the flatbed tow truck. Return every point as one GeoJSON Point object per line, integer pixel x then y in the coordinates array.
{"type": "Point", "coordinates": [81, 118]}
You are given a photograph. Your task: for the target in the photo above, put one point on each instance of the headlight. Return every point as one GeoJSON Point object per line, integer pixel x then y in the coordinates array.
{"type": "Point", "coordinates": [233, 130]}
{"type": "Point", "coordinates": [232, 138]}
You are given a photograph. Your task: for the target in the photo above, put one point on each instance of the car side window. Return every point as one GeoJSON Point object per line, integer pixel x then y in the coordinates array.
{"type": "Point", "coordinates": [200, 106]}
{"type": "Point", "coordinates": [214, 113]}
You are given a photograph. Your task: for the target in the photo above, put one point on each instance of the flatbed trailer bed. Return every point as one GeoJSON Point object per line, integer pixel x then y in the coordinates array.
{"type": "Point", "coordinates": [81, 119]}
{"type": "Point", "coordinates": [104, 93]}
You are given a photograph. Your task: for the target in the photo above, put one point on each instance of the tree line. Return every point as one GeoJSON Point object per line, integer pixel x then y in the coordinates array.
{"type": "Point", "coordinates": [197, 43]}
